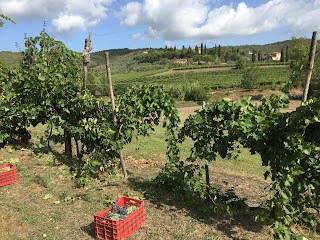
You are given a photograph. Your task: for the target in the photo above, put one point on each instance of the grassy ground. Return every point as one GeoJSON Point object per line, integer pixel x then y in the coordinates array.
{"type": "Point", "coordinates": [44, 204]}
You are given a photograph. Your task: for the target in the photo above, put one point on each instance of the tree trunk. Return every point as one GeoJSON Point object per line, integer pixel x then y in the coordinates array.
{"type": "Point", "coordinates": [67, 143]}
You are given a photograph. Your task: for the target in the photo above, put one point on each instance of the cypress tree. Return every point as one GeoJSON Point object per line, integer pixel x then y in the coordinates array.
{"type": "Point", "coordinates": [219, 51]}
{"type": "Point", "coordinates": [282, 55]}
{"type": "Point", "coordinates": [189, 52]}
{"type": "Point", "coordinates": [253, 55]}
{"type": "Point", "coordinates": [287, 54]}
{"type": "Point", "coordinates": [196, 49]}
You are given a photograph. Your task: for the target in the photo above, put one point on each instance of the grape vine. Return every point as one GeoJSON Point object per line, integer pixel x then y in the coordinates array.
{"type": "Point", "coordinates": [46, 91]}
{"type": "Point", "coordinates": [287, 142]}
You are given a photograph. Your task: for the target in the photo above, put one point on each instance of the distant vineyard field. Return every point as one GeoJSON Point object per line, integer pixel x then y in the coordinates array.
{"type": "Point", "coordinates": [209, 80]}
{"type": "Point", "coordinates": [135, 75]}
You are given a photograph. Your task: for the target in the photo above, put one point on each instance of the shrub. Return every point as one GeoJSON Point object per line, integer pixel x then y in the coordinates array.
{"type": "Point", "coordinates": [177, 93]}
{"type": "Point", "coordinates": [250, 78]}
{"type": "Point", "coordinates": [241, 63]}
{"type": "Point", "coordinates": [197, 94]}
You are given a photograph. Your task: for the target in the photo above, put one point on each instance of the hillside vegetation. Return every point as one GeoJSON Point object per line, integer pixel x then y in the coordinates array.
{"type": "Point", "coordinates": [183, 81]}
{"type": "Point", "coordinates": [122, 59]}
{"type": "Point", "coordinates": [212, 69]}
{"type": "Point", "coordinates": [10, 59]}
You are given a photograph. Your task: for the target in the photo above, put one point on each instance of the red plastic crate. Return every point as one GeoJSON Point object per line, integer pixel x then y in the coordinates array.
{"type": "Point", "coordinates": [108, 229]}
{"type": "Point", "coordinates": [8, 174]}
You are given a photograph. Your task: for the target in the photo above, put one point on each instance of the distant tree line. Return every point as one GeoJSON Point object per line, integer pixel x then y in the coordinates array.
{"type": "Point", "coordinates": [202, 54]}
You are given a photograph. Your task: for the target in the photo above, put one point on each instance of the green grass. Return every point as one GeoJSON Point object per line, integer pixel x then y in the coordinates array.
{"type": "Point", "coordinates": [245, 162]}
{"type": "Point", "coordinates": [154, 147]}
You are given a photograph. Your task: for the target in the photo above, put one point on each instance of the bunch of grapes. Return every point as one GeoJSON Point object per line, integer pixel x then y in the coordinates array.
{"type": "Point", "coordinates": [117, 212]}
{"type": "Point", "coordinates": [115, 209]}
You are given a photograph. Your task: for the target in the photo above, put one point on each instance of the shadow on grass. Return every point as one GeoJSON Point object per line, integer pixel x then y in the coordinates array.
{"type": "Point", "coordinates": [18, 144]}
{"type": "Point", "coordinates": [224, 222]}
{"type": "Point", "coordinates": [89, 229]}
{"type": "Point", "coordinates": [256, 97]}
{"type": "Point", "coordinates": [59, 158]}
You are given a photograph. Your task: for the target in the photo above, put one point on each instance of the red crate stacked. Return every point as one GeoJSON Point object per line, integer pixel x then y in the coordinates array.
{"type": "Point", "coordinates": [108, 229]}
{"type": "Point", "coordinates": [8, 174]}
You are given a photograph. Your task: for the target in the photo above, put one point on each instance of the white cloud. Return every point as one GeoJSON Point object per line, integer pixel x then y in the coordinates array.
{"type": "Point", "coordinates": [174, 19]}
{"type": "Point", "coordinates": [182, 19]}
{"type": "Point", "coordinates": [66, 15]}
{"type": "Point", "coordinates": [137, 36]}
{"type": "Point", "coordinates": [168, 18]}
{"type": "Point", "coordinates": [74, 23]}
{"type": "Point", "coordinates": [132, 11]}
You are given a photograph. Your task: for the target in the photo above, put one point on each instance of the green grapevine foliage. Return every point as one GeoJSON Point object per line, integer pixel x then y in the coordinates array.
{"type": "Point", "coordinates": [48, 79]}
{"type": "Point", "coordinates": [4, 17]}
{"type": "Point", "coordinates": [287, 142]}
{"type": "Point", "coordinates": [46, 91]}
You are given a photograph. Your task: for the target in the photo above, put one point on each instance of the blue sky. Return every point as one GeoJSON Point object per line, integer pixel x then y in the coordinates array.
{"type": "Point", "coordinates": [156, 23]}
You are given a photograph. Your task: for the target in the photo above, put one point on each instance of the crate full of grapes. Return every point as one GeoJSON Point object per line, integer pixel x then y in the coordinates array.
{"type": "Point", "coordinates": [120, 220]}
{"type": "Point", "coordinates": [8, 174]}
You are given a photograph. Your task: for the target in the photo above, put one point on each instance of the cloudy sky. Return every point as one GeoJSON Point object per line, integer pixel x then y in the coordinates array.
{"type": "Point", "coordinates": [156, 23]}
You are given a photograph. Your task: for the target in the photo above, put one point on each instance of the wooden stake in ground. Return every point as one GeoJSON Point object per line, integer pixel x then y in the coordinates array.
{"type": "Point", "coordinates": [310, 65]}
{"type": "Point", "coordinates": [86, 60]}
{"type": "Point", "coordinates": [123, 166]}
{"type": "Point", "coordinates": [206, 167]}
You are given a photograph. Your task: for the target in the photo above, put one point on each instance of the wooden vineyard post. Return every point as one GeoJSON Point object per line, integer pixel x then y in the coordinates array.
{"type": "Point", "coordinates": [206, 167]}
{"type": "Point", "coordinates": [123, 166]}
{"type": "Point", "coordinates": [310, 65]}
{"type": "Point", "coordinates": [86, 60]}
